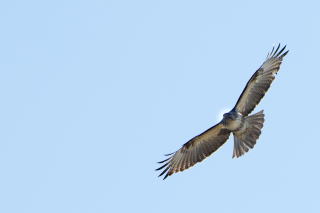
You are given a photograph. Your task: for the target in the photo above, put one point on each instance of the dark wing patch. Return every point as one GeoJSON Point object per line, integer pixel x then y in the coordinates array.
{"type": "Point", "coordinates": [260, 82]}
{"type": "Point", "coordinates": [195, 150]}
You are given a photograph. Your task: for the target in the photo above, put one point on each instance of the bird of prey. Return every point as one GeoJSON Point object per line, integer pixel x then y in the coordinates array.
{"type": "Point", "coordinates": [245, 128]}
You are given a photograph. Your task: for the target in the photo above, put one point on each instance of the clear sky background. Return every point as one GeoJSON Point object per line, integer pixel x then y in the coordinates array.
{"type": "Point", "coordinates": [93, 93]}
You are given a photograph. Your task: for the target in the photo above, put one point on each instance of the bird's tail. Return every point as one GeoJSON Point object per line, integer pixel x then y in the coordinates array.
{"type": "Point", "coordinates": [246, 138]}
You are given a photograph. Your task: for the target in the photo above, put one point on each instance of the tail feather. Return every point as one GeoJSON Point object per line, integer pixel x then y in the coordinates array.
{"type": "Point", "coordinates": [246, 138]}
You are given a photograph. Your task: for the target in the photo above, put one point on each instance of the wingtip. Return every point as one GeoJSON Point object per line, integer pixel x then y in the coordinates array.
{"type": "Point", "coordinates": [275, 52]}
{"type": "Point", "coordinates": [270, 53]}
{"type": "Point", "coordinates": [161, 167]}
{"type": "Point", "coordinates": [164, 171]}
{"type": "Point", "coordinates": [165, 177]}
{"type": "Point", "coordinates": [169, 154]}
{"type": "Point", "coordinates": [164, 160]}
{"type": "Point", "coordinates": [284, 54]}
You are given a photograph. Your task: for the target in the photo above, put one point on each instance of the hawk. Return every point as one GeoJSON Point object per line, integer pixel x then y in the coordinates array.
{"type": "Point", "coordinates": [245, 128]}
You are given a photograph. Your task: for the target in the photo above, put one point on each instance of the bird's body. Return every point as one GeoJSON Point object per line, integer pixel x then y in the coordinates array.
{"type": "Point", "coordinates": [233, 120]}
{"type": "Point", "coordinates": [245, 128]}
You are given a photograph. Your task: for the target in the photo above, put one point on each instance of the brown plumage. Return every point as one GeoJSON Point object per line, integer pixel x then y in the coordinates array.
{"type": "Point", "coordinates": [260, 82]}
{"type": "Point", "coordinates": [195, 150]}
{"type": "Point", "coordinates": [246, 129]}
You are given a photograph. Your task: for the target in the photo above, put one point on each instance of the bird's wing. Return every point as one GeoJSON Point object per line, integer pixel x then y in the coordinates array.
{"type": "Point", "coordinates": [260, 82]}
{"type": "Point", "coordinates": [195, 150]}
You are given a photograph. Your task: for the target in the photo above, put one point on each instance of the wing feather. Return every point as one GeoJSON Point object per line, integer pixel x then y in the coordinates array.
{"type": "Point", "coordinates": [260, 81]}
{"type": "Point", "coordinates": [195, 150]}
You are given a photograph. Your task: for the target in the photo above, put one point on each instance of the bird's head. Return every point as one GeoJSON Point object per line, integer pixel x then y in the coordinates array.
{"type": "Point", "coordinates": [232, 115]}
{"type": "Point", "coordinates": [227, 116]}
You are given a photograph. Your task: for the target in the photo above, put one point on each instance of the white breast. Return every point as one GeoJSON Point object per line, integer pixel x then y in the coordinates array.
{"type": "Point", "coordinates": [234, 124]}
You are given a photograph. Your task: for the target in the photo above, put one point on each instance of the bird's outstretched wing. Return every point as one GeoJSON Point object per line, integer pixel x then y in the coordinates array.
{"type": "Point", "coordinates": [195, 150]}
{"type": "Point", "coordinates": [260, 82]}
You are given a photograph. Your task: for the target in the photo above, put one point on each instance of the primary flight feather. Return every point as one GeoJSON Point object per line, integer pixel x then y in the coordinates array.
{"type": "Point", "coordinates": [245, 128]}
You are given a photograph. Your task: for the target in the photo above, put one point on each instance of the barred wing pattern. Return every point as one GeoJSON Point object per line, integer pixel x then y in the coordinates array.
{"type": "Point", "coordinates": [260, 82]}
{"type": "Point", "coordinates": [195, 150]}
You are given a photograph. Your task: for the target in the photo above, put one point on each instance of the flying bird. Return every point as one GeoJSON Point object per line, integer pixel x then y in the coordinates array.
{"type": "Point", "coordinates": [245, 128]}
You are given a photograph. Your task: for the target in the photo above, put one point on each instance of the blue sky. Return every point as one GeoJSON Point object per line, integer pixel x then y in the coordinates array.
{"type": "Point", "coordinates": [94, 93]}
